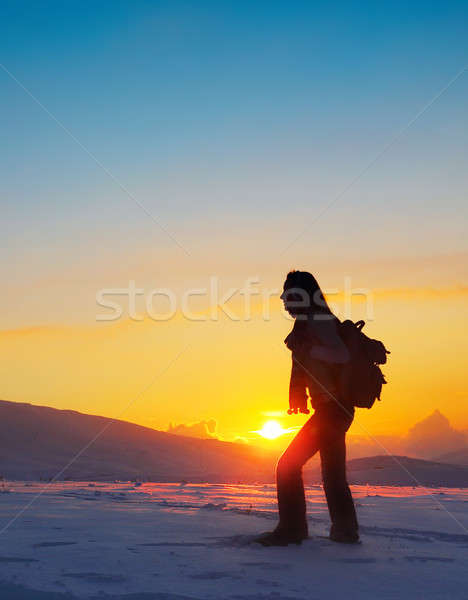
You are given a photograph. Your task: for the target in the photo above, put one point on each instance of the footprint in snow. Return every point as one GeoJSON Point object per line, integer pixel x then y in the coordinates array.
{"type": "Point", "coordinates": [16, 559]}
{"type": "Point", "coordinates": [187, 544]}
{"type": "Point", "coordinates": [443, 559]}
{"type": "Point", "coordinates": [265, 565]}
{"type": "Point", "coordinates": [52, 544]}
{"type": "Point", "coordinates": [356, 560]}
{"type": "Point", "coordinates": [213, 575]}
{"type": "Point", "coordinates": [97, 577]}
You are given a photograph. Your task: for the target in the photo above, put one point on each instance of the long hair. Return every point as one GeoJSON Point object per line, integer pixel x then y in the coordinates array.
{"type": "Point", "coordinates": [303, 280]}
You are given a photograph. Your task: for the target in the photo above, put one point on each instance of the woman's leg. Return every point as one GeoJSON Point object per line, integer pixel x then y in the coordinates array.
{"type": "Point", "coordinates": [339, 498]}
{"type": "Point", "coordinates": [290, 487]}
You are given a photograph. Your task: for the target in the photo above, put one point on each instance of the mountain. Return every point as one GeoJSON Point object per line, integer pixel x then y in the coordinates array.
{"type": "Point", "coordinates": [38, 442]}
{"type": "Point", "coordinates": [457, 457]}
{"type": "Point", "coordinates": [402, 470]}
{"type": "Point", "coordinates": [434, 436]}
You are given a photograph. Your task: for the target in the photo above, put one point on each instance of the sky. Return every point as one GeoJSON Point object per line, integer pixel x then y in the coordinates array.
{"type": "Point", "coordinates": [177, 144]}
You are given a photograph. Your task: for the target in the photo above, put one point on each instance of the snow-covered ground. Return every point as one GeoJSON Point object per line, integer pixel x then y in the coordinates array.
{"type": "Point", "coordinates": [171, 541]}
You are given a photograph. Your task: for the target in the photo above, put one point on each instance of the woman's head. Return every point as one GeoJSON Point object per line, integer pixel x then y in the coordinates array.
{"type": "Point", "coordinates": [302, 295]}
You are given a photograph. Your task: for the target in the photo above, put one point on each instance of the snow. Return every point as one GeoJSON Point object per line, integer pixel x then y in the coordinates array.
{"type": "Point", "coordinates": [191, 541]}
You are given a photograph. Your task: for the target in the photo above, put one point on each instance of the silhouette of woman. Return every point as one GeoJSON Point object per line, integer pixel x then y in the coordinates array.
{"type": "Point", "coordinates": [317, 354]}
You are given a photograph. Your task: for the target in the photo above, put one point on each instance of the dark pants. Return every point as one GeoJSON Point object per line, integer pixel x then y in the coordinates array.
{"type": "Point", "coordinates": [325, 431]}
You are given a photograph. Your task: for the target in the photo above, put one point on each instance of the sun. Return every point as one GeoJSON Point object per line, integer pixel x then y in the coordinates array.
{"type": "Point", "coordinates": [271, 430]}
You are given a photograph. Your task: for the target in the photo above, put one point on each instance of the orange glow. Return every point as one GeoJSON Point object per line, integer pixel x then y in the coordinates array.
{"type": "Point", "coordinates": [100, 369]}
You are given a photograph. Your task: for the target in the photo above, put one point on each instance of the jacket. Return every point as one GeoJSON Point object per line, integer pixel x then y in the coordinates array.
{"type": "Point", "coordinates": [317, 353]}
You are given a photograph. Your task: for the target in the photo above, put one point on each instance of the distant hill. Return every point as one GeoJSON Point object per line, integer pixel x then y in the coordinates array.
{"type": "Point", "coordinates": [37, 442]}
{"type": "Point", "coordinates": [457, 457]}
{"type": "Point", "coordinates": [402, 470]}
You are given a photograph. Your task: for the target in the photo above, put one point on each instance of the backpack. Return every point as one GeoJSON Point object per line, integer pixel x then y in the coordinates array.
{"type": "Point", "coordinates": [360, 380]}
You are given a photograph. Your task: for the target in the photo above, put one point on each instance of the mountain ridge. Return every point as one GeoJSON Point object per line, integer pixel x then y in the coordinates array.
{"type": "Point", "coordinates": [38, 442]}
{"type": "Point", "coordinates": [41, 442]}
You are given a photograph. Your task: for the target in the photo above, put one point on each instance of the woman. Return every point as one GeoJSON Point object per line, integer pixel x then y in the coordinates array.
{"type": "Point", "coordinates": [317, 354]}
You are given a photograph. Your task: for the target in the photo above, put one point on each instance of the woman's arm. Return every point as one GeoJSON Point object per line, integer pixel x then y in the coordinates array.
{"type": "Point", "coordinates": [331, 349]}
{"type": "Point", "coordinates": [298, 389]}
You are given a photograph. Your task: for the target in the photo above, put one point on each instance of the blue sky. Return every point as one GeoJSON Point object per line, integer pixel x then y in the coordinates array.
{"type": "Point", "coordinates": [234, 124]}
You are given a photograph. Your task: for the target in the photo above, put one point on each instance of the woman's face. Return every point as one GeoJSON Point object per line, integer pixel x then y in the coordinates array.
{"type": "Point", "coordinates": [296, 301]}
